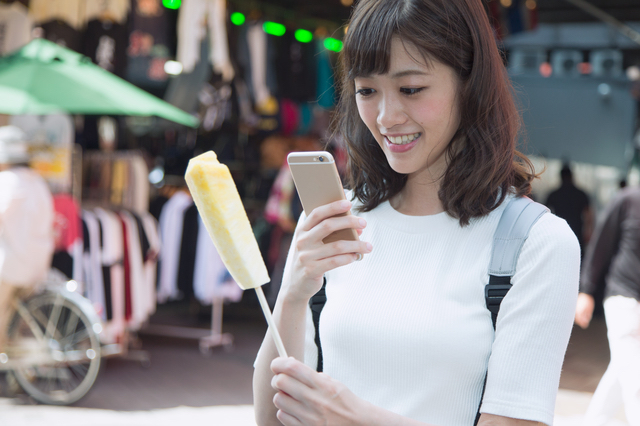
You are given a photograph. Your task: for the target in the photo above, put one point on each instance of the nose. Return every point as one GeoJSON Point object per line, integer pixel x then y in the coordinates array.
{"type": "Point", "coordinates": [390, 112]}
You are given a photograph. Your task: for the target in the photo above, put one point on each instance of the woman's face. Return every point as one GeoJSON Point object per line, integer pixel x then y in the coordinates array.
{"type": "Point", "coordinates": [412, 111]}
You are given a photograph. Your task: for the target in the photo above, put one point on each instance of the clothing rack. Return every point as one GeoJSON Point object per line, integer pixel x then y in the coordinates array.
{"type": "Point", "coordinates": [208, 338]}
{"type": "Point", "coordinates": [184, 234]}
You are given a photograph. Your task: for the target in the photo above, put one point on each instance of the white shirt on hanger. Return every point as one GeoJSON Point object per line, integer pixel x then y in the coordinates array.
{"type": "Point", "coordinates": [209, 280]}
{"type": "Point", "coordinates": [192, 18]}
{"type": "Point", "coordinates": [112, 256]}
{"type": "Point", "coordinates": [171, 223]}
{"type": "Point", "coordinates": [93, 266]}
{"type": "Point", "coordinates": [150, 227]}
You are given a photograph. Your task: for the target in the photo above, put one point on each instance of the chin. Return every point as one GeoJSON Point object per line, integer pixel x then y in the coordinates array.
{"type": "Point", "coordinates": [401, 167]}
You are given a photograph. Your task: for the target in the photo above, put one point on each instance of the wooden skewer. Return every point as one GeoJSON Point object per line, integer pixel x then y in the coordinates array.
{"type": "Point", "coordinates": [272, 326]}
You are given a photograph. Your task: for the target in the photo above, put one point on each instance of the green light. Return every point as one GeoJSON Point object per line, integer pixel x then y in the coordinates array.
{"type": "Point", "coordinates": [171, 4]}
{"type": "Point", "coordinates": [273, 28]}
{"type": "Point", "coordinates": [303, 36]}
{"type": "Point", "coordinates": [237, 18]}
{"type": "Point", "coordinates": [332, 44]}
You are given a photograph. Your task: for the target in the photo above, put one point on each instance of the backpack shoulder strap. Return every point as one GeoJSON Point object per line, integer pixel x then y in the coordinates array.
{"type": "Point", "coordinates": [517, 219]}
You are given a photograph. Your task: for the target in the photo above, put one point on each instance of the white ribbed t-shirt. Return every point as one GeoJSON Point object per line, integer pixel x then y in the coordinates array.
{"type": "Point", "coordinates": [407, 329]}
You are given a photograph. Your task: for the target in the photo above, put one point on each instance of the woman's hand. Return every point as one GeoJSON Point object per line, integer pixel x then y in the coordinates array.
{"type": "Point", "coordinates": [306, 397]}
{"type": "Point", "coordinates": [312, 258]}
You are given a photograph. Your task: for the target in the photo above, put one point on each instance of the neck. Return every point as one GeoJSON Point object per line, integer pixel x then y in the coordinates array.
{"type": "Point", "coordinates": [418, 198]}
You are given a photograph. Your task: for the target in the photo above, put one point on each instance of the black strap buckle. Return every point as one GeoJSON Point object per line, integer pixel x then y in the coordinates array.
{"type": "Point", "coordinates": [493, 295]}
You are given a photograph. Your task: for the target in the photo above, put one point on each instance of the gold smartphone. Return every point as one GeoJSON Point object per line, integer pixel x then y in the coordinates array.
{"type": "Point", "coordinates": [318, 183]}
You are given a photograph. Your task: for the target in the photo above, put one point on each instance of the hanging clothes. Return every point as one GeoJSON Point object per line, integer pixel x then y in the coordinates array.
{"type": "Point", "coordinates": [149, 42]}
{"type": "Point", "coordinates": [151, 250]}
{"type": "Point", "coordinates": [187, 259]}
{"type": "Point", "coordinates": [115, 11]}
{"type": "Point", "coordinates": [135, 262]}
{"type": "Point", "coordinates": [69, 11]}
{"type": "Point", "coordinates": [105, 42]}
{"type": "Point", "coordinates": [196, 18]}
{"type": "Point", "coordinates": [325, 84]}
{"type": "Point", "coordinates": [63, 34]}
{"type": "Point", "coordinates": [171, 224]}
{"type": "Point", "coordinates": [140, 177]}
{"type": "Point", "coordinates": [15, 27]}
{"type": "Point", "coordinates": [92, 264]}
{"type": "Point", "coordinates": [119, 179]}
{"type": "Point", "coordinates": [296, 65]}
{"type": "Point", "coordinates": [211, 279]}
{"type": "Point", "coordinates": [68, 233]}
{"type": "Point", "coordinates": [113, 274]}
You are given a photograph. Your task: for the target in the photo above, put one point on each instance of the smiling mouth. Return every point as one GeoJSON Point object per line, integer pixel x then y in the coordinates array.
{"type": "Point", "coordinates": [403, 140]}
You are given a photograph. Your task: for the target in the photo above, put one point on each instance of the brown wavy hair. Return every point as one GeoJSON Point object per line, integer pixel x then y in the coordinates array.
{"type": "Point", "coordinates": [483, 164]}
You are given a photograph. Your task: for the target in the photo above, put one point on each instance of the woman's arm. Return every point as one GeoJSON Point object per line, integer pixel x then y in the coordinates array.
{"type": "Point", "coordinates": [305, 397]}
{"type": "Point", "coordinates": [308, 260]}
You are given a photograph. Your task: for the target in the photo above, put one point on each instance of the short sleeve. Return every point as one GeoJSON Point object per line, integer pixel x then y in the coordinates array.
{"type": "Point", "coordinates": [534, 325]}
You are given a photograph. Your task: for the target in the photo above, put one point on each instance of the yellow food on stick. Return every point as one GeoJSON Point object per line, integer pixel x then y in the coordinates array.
{"type": "Point", "coordinates": [219, 204]}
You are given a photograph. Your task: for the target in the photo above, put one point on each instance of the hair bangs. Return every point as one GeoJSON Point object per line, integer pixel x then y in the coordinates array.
{"type": "Point", "coordinates": [367, 47]}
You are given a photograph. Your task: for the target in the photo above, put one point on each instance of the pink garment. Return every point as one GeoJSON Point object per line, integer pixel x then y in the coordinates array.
{"type": "Point", "coordinates": [67, 226]}
{"type": "Point", "coordinates": [290, 116]}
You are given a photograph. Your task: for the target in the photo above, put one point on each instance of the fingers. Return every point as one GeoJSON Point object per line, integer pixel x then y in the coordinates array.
{"type": "Point", "coordinates": [291, 381]}
{"type": "Point", "coordinates": [323, 212]}
{"type": "Point", "coordinates": [287, 419]}
{"type": "Point", "coordinates": [294, 369]}
{"type": "Point", "coordinates": [315, 236]}
{"type": "Point", "coordinates": [336, 223]}
{"type": "Point", "coordinates": [336, 248]}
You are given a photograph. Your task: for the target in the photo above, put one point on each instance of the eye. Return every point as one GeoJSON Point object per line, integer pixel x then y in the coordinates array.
{"type": "Point", "coordinates": [411, 90]}
{"type": "Point", "coordinates": [364, 92]}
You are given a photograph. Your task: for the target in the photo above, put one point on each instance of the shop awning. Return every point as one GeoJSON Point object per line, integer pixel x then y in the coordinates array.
{"type": "Point", "coordinates": [43, 78]}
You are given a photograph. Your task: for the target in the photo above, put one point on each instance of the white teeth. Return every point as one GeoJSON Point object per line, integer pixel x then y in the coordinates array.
{"type": "Point", "coordinates": [402, 140]}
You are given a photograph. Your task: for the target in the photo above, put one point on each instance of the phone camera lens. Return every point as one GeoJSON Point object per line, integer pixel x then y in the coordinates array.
{"type": "Point", "coordinates": [321, 158]}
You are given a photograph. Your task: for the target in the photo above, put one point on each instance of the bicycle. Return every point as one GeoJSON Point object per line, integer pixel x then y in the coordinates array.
{"type": "Point", "coordinates": [53, 346]}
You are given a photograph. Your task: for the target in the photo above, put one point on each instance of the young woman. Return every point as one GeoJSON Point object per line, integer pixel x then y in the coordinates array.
{"type": "Point", "coordinates": [431, 127]}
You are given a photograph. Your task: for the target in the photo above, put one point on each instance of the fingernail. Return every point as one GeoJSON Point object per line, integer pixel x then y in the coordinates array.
{"type": "Point", "coordinates": [344, 204]}
{"type": "Point", "coordinates": [362, 222]}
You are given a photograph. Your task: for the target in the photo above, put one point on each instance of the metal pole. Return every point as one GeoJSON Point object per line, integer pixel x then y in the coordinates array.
{"type": "Point", "coordinates": [605, 17]}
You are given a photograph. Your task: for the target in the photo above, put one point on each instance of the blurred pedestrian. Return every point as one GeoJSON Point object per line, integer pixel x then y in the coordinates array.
{"type": "Point", "coordinates": [572, 204]}
{"type": "Point", "coordinates": [612, 260]}
{"type": "Point", "coordinates": [26, 224]}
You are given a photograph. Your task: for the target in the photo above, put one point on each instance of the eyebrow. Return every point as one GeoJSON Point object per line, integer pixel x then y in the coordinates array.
{"type": "Point", "coordinates": [408, 72]}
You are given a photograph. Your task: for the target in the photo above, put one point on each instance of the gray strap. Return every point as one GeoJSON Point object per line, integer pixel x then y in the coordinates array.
{"type": "Point", "coordinates": [519, 216]}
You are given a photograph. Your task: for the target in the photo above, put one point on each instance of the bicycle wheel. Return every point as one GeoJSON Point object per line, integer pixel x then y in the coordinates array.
{"type": "Point", "coordinates": [56, 327]}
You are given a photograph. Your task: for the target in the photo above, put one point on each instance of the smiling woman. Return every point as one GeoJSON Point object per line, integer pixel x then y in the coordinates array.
{"type": "Point", "coordinates": [448, 39]}
{"type": "Point", "coordinates": [406, 337]}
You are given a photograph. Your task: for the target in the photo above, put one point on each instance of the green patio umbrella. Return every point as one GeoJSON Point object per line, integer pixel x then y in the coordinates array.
{"type": "Point", "coordinates": [43, 78]}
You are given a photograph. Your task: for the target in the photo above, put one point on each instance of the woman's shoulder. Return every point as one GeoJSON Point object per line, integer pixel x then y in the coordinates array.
{"type": "Point", "coordinates": [553, 231]}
